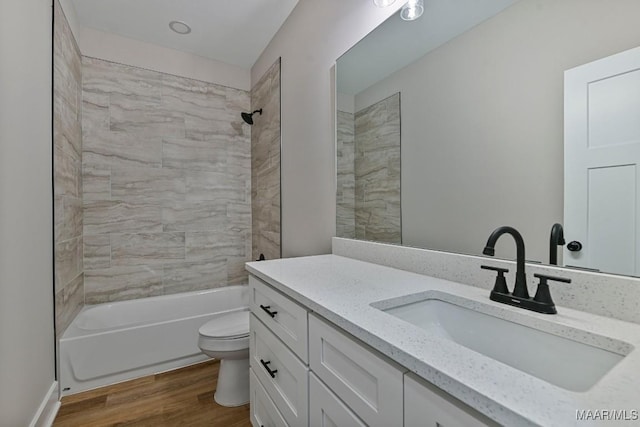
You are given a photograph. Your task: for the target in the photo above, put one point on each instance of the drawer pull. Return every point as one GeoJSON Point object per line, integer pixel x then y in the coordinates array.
{"type": "Point", "coordinates": [269, 312]}
{"type": "Point", "coordinates": [269, 371]}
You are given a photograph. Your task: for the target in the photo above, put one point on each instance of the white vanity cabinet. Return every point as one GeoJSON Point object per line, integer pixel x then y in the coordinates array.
{"type": "Point", "coordinates": [277, 358]}
{"type": "Point", "coordinates": [284, 317]}
{"type": "Point", "coordinates": [368, 383]}
{"type": "Point", "coordinates": [281, 373]}
{"type": "Point", "coordinates": [326, 409]}
{"type": "Point", "coordinates": [427, 406]}
{"type": "Point", "coordinates": [263, 410]}
{"type": "Point", "coordinates": [305, 371]}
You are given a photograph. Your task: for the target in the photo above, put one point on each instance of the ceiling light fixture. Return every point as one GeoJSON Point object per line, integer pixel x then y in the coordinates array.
{"type": "Point", "coordinates": [179, 27]}
{"type": "Point", "coordinates": [412, 10]}
{"type": "Point", "coordinates": [383, 3]}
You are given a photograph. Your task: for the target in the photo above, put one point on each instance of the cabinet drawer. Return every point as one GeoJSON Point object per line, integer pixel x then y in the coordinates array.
{"type": "Point", "coordinates": [287, 320]}
{"type": "Point", "coordinates": [263, 411]}
{"type": "Point", "coordinates": [370, 385]}
{"type": "Point", "coordinates": [325, 409]}
{"type": "Point", "coordinates": [283, 376]}
{"type": "Point", "coordinates": [427, 406]}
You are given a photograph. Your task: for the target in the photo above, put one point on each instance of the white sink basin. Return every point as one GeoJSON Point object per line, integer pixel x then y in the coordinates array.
{"type": "Point", "coordinates": [560, 361]}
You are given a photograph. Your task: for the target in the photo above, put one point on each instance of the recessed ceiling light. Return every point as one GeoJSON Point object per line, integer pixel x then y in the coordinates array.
{"type": "Point", "coordinates": [412, 10]}
{"type": "Point", "coordinates": [179, 27]}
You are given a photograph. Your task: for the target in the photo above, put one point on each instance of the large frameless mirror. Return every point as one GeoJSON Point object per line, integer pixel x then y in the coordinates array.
{"type": "Point", "coordinates": [454, 124]}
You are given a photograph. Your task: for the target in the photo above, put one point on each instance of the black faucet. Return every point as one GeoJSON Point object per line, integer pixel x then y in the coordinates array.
{"type": "Point", "coordinates": [556, 239]}
{"type": "Point", "coordinates": [520, 289]}
{"type": "Point", "coordinates": [541, 302]}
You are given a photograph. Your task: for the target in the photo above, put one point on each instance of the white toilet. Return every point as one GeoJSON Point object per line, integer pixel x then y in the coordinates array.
{"type": "Point", "coordinates": [227, 338]}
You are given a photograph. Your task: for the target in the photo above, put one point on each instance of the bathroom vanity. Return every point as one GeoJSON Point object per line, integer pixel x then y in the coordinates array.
{"type": "Point", "coordinates": [338, 341]}
{"type": "Point", "coordinates": [328, 377]}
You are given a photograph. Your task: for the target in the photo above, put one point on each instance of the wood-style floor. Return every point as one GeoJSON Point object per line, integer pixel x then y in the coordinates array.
{"type": "Point", "coordinates": [183, 397]}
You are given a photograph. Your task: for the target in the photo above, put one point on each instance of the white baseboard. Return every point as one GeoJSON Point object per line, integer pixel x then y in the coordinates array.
{"type": "Point", "coordinates": [48, 408]}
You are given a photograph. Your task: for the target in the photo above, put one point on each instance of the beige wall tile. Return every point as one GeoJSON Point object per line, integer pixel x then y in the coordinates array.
{"type": "Point", "coordinates": [218, 244]}
{"type": "Point", "coordinates": [217, 186]}
{"type": "Point", "coordinates": [236, 273]}
{"type": "Point", "coordinates": [95, 111]}
{"type": "Point", "coordinates": [122, 283]}
{"type": "Point", "coordinates": [70, 221]}
{"type": "Point", "coordinates": [121, 149]}
{"type": "Point", "coordinates": [147, 185]}
{"type": "Point", "coordinates": [167, 170]}
{"type": "Point", "coordinates": [67, 178]}
{"type": "Point", "coordinates": [194, 276]}
{"type": "Point", "coordinates": [97, 251]}
{"type": "Point", "coordinates": [67, 174]}
{"type": "Point", "coordinates": [96, 182]}
{"type": "Point", "coordinates": [144, 116]}
{"type": "Point", "coordinates": [68, 303]}
{"type": "Point", "coordinates": [194, 155]}
{"type": "Point", "coordinates": [68, 261]}
{"type": "Point", "coordinates": [67, 128]}
{"type": "Point", "coordinates": [146, 248]}
{"type": "Point", "coordinates": [106, 77]}
{"type": "Point", "coordinates": [194, 216]}
{"type": "Point", "coordinates": [121, 217]}
{"type": "Point", "coordinates": [265, 165]}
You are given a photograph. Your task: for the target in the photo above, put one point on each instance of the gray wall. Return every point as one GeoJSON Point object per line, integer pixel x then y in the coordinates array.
{"type": "Point", "coordinates": [265, 165]}
{"type": "Point", "coordinates": [67, 173]}
{"type": "Point", "coordinates": [309, 42]}
{"type": "Point", "coordinates": [166, 173]}
{"type": "Point", "coordinates": [26, 241]}
{"type": "Point", "coordinates": [482, 122]}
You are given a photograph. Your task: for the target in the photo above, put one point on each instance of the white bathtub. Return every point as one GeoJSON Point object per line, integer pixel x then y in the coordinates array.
{"type": "Point", "coordinates": [114, 342]}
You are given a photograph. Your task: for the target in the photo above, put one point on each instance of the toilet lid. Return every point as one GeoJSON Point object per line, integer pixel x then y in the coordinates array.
{"type": "Point", "coordinates": [227, 326]}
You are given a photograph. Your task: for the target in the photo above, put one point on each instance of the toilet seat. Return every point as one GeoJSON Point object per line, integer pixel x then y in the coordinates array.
{"type": "Point", "coordinates": [228, 326]}
{"type": "Point", "coordinates": [229, 332]}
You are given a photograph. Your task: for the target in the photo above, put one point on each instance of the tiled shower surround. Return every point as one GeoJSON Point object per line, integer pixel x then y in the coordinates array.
{"type": "Point", "coordinates": [67, 167]}
{"type": "Point", "coordinates": [167, 183]}
{"type": "Point", "coordinates": [265, 164]}
{"type": "Point", "coordinates": [376, 173]}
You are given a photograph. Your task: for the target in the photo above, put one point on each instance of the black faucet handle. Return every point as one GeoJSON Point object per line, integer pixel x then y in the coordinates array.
{"type": "Point", "coordinates": [545, 277]}
{"type": "Point", "coordinates": [543, 295]}
{"type": "Point", "coordinates": [499, 270]}
{"type": "Point", "coordinates": [501, 283]}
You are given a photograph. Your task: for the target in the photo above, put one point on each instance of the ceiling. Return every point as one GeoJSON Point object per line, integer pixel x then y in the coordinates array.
{"type": "Point", "coordinates": [397, 43]}
{"type": "Point", "coordinates": [231, 31]}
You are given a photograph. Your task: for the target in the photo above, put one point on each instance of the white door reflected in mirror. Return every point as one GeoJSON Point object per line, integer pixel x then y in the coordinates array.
{"type": "Point", "coordinates": [602, 154]}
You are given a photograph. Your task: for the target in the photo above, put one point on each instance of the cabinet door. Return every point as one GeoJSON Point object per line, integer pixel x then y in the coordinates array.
{"type": "Point", "coordinates": [427, 406]}
{"type": "Point", "coordinates": [326, 410]}
{"type": "Point", "coordinates": [263, 411]}
{"type": "Point", "coordinates": [368, 383]}
{"type": "Point", "coordinates": [282, 316]}
{"type": "Point", "coordinates": [283, 376]}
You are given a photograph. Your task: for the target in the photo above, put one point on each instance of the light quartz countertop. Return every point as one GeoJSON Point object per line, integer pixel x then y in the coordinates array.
{"type": "Point", "coordinates": [342, 290]}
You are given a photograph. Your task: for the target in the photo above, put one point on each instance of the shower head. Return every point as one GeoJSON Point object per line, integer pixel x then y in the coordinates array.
{"type": "Point", "coordinates": [248, 117]}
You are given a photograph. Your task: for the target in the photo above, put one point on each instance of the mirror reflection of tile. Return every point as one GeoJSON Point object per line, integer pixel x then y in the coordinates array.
{"type": "Point", "coordinates": [368, 205]}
